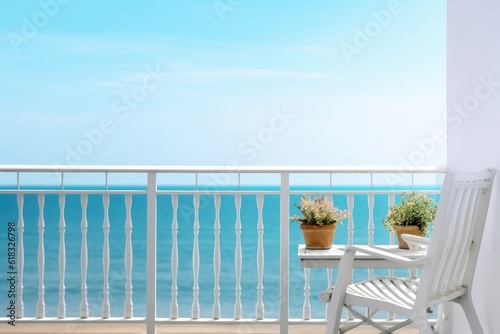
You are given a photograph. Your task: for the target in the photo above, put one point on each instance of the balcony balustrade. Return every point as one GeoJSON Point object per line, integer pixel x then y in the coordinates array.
{"type": "Point", "coordinates": [181, 245]}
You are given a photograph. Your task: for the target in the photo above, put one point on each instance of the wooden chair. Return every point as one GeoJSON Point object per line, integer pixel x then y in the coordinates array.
{"type": "Point", "coordinates": [447, 269]}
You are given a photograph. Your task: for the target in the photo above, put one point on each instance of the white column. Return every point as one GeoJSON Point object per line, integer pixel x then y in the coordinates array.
{"type": "Point", "coordinates": [284, 251]}
{"type": "Point", "coordinates": [151, 255]}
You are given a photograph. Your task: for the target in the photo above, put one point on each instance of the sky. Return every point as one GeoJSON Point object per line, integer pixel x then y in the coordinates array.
{"type": "Point", "coordinates": [223, 82]}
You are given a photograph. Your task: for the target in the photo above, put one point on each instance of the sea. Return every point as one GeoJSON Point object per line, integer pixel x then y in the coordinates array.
{"type": "Point", "coordinates": [185, 278]}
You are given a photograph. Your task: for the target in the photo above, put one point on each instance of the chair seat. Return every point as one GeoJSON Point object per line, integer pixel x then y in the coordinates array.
{"type": "Point", "coordinates": [397, 294]}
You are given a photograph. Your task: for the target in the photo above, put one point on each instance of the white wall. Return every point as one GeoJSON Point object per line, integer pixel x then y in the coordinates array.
{"type": "Point", "coordinates": [474, 132]}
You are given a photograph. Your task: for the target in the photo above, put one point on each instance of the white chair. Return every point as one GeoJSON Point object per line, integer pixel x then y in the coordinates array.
{"type": "Point", "coordinates": [447, 269]}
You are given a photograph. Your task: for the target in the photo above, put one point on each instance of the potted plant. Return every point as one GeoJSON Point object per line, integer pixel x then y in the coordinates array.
{"type": "Point", "coordinates": [319, 221]}
{"type": "Point", "coordinates": [413, 215]}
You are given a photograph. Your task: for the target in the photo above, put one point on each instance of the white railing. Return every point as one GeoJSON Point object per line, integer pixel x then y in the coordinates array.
{"type": "Point", "coordinates": [211, 197]}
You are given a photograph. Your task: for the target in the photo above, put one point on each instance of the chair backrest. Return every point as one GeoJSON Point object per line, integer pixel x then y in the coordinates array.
{"type": "Point", "coordinates": [456, 238]}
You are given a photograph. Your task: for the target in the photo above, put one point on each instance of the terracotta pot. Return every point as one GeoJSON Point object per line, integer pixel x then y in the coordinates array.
{"type": "Point", "coordinates": [318, 236]}
{"type": "Point", "coordinates": [414, 230]}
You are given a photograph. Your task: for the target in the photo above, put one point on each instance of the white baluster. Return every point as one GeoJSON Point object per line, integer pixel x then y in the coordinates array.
{"type": "Point", "coordinates": [84, 306]}
{"type": "Point", "coordinates": [129, 305]}
{"type": "Point", "coordinates": [329, 197]}
{"type": "Point", "coordinates": [391, 201]}
{"type": "Point", "coordinates": [217, 309]}
{"type": "Point", "coordinates": [20, 256]}
{"type": "Point", "coordinates": [307, 295]}
{"type": "Point", "coordinates": [259, 309]}
{"type": "Point", "coordinates": [62, 259]}
{"type": "Point", "coordinates": [350, 226]}
{"type": "Point", "coordinates": [196, 259]}
{"type": "Point", "coordinates": [174, 307]}
{"type": "Point", "coordinates": [106, 309]}
{"type": "Point", "coordinates": [40, 306]}
{"type": "Point", "coordinates": [371, 227]}
{"type": "Point", "coordinates": [237, 258]}
{"type": "Point", "coordinates": [350, 229]}
{"type": "Point", "coordinates": [329, 282]}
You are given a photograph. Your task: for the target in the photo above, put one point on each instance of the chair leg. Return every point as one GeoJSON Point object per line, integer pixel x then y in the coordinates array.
{"type": "Point", "coordinates": [441, 317]}
{"type": "Point", "coordinates": [333, 318]}
{"type": "Point", "coordinates": [470, 313]}
{"type": "Point", "coordinates": [420, 320]}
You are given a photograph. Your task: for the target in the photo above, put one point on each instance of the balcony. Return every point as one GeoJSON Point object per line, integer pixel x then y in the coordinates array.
{"type": "Point", "coordinates": [181, 249]}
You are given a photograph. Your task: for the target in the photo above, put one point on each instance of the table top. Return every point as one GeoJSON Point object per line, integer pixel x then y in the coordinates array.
{"type": "Point", "coordinates": [329, 258]}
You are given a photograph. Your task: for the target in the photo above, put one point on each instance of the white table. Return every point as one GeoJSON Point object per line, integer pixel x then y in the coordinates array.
{"type": "Point", "coordinates": [330, 258]}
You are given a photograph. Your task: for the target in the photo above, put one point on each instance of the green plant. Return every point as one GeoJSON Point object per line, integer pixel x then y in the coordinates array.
{"type": "Point", "coordinates": [319, 211]}
{"type": "Point", "coordinates": [414, 209]}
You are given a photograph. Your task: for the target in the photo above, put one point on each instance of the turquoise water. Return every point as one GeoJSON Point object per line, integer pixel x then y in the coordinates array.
{"type": "Point", "coordinates": [249, 238]}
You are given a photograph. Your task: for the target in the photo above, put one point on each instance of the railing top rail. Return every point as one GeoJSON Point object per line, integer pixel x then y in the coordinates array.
{"type": "Point", "coordinates": [219, 169]}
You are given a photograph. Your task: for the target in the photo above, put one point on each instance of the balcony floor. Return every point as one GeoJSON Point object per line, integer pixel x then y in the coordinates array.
{"type": "Point", "coordinates": [76, 328]}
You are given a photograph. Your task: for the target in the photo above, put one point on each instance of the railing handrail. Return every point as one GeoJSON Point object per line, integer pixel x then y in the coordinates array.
{"type": "Point", "coordinates": [220, 169]}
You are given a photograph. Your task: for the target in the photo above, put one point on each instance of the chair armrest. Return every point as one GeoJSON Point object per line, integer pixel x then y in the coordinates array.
{"type": "Point", "coordinates": [346, 265]}
{"type": "Point", "coordinates": [388, 256]}
{"type": "Point", "coordinates": [415, 242]}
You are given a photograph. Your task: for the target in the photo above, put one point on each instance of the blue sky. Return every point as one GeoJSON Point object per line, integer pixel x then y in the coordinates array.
{"type": "Point", "coordinates": [203, 82]}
